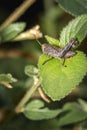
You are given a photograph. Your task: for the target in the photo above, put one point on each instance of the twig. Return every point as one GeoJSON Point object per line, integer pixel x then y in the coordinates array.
{"type": "Point", "coordinates": [28, 95]}
{"type": "Point", "coordinates": [43, 96]}
{"type": "Point", "coordinates": [18, 12]}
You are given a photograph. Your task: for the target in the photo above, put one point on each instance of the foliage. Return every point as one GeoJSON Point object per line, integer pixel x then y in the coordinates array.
{"type": "Point", "coordinates": [7, 78]}
{"type": "Point", "coordinates": [35, 111]}
{"type": "Point", "coordinates": [75, 29]}
{"type": "Point", "coordinates": [72, 113]}
{"type": "Point", "coordinates": [11, 31]}
{"type": "Point", "coordinates": [61, 79]}
{"type": "Point", "coordinates": [77, 7]}
{"type": "Point", "coordinates": [29, 104]}
{"type": "Point", "coordinates": [58, 77]}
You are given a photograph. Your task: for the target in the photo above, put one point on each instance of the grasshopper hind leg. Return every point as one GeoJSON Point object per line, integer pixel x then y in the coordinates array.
{"type": "Point", "coordinates": [48, 59]}
{"type": "Point", "coordinates": [62, 61]}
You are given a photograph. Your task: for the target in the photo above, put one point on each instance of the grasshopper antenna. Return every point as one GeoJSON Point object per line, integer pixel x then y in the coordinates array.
{"type": "Point", "coordinates": [38, 42]}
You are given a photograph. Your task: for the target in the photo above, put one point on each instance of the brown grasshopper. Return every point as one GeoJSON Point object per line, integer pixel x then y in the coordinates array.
{"type": "Point", "coordinates": [59, 53]}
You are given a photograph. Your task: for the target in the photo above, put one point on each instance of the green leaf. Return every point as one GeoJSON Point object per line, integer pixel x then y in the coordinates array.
{"type": "Point", "coordinates": [52, 41]}
{"type": "Point", "coordinates": [72, 113]}
{"type": "Point", "coordinates": [11, 31]}
{"type": "Point", "coordinates": [31, 70]}
{"type": "Point", "coordinates": [7, 78]}
{"type": "Point", "coordinates": [35, 111]}
{"type": "Point", "coordinates": [58, 81]}
{"type": "Point", "coordinates": [76, 7]}
{"type": "Point", "coordinates": [77, 28]}
{"type": "Point", "coordinates": [83, 104]}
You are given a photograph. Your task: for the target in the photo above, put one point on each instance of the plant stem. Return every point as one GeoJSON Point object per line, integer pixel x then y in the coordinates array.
{"type": "Point", "coordinates": [28, 95]}
{"type": "Point", "coordinates": [18, 12]}
{"type": "Point", "coordinates": [22, 103]}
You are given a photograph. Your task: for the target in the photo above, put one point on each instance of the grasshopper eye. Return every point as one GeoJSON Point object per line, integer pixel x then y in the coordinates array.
{"type": "Point", "coordinates": [44, 46]}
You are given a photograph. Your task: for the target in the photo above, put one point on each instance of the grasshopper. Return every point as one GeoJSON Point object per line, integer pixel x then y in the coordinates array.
{"type": "Point", "coordinates": [59, 53]}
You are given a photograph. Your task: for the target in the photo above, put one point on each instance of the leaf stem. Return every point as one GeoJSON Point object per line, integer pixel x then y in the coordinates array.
{"type": "Point", "coordinates": [28, 95]}
{"type": "Point", "coordinates": [17, 13]}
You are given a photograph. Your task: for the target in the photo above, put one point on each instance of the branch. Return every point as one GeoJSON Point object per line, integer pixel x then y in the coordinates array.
{"type": "Point", "coordinates": [17, 13]}
{"type": "Point", "coordinates": [28, 95]}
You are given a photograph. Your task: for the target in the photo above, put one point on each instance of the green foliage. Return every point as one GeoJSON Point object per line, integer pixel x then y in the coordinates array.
{"type": "Point", "coordinates": [31, 70]}
{"type": "Point", "coordinates": [11, 31]}
{"type": "Point", "coordinates": [7, 78]}
{"type": "Point", "coordinates": [58, 81]}
{"type": "Point", "coordinates": [52, 41]}
{"type": "Point", "coordinates": [76, 28]}
{"type": "Point", "coordinates": [76, 7]}
{"type": "Point", "coordinates": [35, 110]}
{"type": "Point", "coordinates": [72, 113]}
{"type": "Point", "coordinates": [58, 78]}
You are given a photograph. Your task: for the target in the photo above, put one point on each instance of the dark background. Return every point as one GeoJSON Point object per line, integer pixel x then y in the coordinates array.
{"type": "Point", "coordinates": [30, 16]}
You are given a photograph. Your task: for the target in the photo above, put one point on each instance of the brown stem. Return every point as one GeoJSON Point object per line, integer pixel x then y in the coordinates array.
{"type": "Point", "coordinates": [17, 13]}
